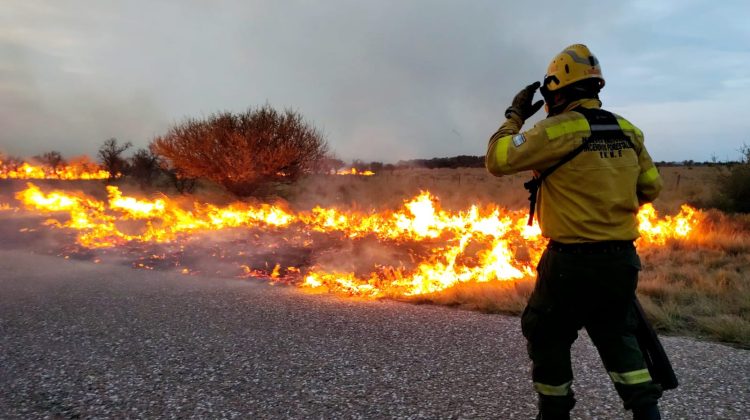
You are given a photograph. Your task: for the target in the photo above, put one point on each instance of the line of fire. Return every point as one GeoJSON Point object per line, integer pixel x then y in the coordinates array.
{"type": "Point", "coordinates": [88, 171]}
{"type": "Point", "coordinates": [417, 249]}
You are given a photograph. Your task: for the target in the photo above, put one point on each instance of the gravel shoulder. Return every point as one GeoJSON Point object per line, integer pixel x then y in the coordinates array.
{"type": "Point", "coordinates": [87, 340]}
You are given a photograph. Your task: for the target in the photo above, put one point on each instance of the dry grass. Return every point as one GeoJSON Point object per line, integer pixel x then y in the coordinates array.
{"type": "Point", "coordinates": [702, 286]}
{"type": "Point", "coordinates": [456, 188]}
{"type": "Point", "coordinates": [506, 297]}
{"type": "Point", "coordinates": [698, 287]}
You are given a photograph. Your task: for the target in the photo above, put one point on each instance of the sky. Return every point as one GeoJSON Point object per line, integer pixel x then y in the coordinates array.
{"type": "Point", "coordinates": [385, 80]}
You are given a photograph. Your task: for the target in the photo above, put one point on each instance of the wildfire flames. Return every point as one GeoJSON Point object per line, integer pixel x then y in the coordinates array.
{"type": "Point", "coordinates": [65, 172]}
{"type": "Point", "coordinates": [354, 171]}
{"type": "Point", "coordinates": [439, 248]}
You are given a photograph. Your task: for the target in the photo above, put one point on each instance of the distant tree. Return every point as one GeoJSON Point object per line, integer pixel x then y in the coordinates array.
{"type": "Point", "coordinates": [144, 167]}
{"type": "Point", "coordinates": [389, 167]}
{"type": "Point", "coordinates": [403, 164]}
{"type": "Point", "coordinates": [461, 161]}
{"type": "Point", "coordinates": [376, 166]}
{"type": "Point", "coordinates": [52, 161]}
{"type": "Point", "coordinates": [330, 164]}
{"type": "Point", "coordinates": [110, 156]}
{"type": "Point", "coordinates": [243, 152]}
{"type": "Point", "coordinates": [11, 163]}
{"type": "Point", "coordinates": [359, 165]}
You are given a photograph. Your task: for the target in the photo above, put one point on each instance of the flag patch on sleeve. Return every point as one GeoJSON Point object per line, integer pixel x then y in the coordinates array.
{"type": "Point", "coordinates": [519, 139]}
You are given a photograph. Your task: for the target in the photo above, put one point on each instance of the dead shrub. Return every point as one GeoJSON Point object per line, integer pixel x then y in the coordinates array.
{"type": "Point", "coordinates": [733, 188]}
{"type": "Point", "coordinates": [243, 152]}
{"type": "Point", "coordinates": [110, 155]}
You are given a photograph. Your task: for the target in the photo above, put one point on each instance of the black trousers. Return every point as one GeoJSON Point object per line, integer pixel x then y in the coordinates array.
{"type": "Point", "coordinates": [592, 288]}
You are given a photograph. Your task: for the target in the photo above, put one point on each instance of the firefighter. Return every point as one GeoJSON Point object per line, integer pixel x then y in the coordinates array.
{"type": "Point", "coordinates": [593, 173]}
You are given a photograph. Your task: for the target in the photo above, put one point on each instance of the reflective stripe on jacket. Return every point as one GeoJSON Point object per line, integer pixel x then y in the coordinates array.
{"type": "Point", "coordinates": [595, 196]}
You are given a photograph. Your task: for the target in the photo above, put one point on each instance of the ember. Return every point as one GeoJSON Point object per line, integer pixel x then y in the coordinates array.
{"type": "Point", "coordinates": [436, 249]}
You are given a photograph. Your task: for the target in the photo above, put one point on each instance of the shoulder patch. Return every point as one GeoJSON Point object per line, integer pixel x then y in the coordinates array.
{"type": "Point", "coordinates": [519, 139]}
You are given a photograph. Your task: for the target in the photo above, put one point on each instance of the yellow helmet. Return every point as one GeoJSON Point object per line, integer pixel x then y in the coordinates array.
{"type": "Point", "coordinates": [573, 64]}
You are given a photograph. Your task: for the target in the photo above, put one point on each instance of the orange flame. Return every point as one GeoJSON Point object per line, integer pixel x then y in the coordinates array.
{"type": "Point", "coordinates": [476, 245]}
{"type": "Point", "coordinates": [657, 231]}
{"type": "Point", "coordinates": [66, 172]}
{"type": "Point", "coordinates": [354, 171]}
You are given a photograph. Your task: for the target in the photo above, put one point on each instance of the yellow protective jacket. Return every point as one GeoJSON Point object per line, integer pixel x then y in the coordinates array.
{"type": "Point", "coordinates": [593, 197]}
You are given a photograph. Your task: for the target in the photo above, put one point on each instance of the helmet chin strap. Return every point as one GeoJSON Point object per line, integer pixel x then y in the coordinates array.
{"type": "Point", "coordinates": [554, 103]}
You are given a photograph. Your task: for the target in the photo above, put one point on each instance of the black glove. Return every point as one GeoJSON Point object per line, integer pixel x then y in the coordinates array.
{"type": "Point", "coordinates": [522, 103]}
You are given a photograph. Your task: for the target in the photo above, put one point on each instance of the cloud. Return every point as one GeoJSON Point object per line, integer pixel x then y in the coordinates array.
{"type": "Point", "coordinates": [678, 131]}
{"type": "Point", "coordinates": [385, 80]}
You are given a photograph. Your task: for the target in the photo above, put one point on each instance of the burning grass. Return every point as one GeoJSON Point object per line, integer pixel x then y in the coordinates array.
{"type": "Point", "coordinates": [73, 171]}
{"type": "Point", "coordinates": [702, 286]}
{"type": "Point", "coordinates": [419, 249]}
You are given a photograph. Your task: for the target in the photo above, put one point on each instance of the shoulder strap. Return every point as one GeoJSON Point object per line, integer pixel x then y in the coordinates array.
{"type": "Point", "coordinates": [603, 124]}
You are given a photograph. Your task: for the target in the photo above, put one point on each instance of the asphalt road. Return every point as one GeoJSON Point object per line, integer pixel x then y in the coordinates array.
{"type": "Point", "coordinates": [79, 339]}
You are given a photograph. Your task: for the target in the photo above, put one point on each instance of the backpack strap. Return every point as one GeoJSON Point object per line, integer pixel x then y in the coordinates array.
{"type": "Point", "coordinates": [603, 125]}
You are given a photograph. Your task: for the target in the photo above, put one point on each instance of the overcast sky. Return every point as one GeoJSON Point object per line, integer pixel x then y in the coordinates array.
{"type": "Point", "coordinates": [385, 80]}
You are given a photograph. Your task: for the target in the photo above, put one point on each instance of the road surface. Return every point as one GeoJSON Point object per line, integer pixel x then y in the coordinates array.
{"type": "Point", "coordinates": [79, 339]}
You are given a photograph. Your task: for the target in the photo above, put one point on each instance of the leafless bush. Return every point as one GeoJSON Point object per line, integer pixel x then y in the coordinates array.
{"type": "Point", "coordinates": [52, 161]}
{"type": "Point", "coordinates": [110, 154]}
{"type": "Point", "coordinates": [144, 167]}
{"type": "Point", "coordinates": [243, 152]}
{"type": "Point", "coordinates": [183, 184]}
{"type": "Point", "coordinates": [11, 163]}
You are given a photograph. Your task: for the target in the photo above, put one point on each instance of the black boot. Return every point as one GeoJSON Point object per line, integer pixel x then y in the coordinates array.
{"type": "Point", "coordinates": [555, 408]}
{"type": "Point", "coordinates": [650, 412]}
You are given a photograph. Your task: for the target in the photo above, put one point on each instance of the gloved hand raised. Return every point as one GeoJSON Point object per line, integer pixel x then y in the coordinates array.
{"type": "Point", "coordinates": [522, 105]}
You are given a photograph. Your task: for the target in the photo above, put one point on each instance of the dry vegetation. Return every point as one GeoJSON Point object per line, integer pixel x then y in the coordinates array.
{"type": "Point", "coordinates": [698, 287]}
{"type": "Point", "coordinates": [243, 152]}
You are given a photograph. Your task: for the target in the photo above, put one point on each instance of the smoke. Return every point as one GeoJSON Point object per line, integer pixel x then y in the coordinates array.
{"type": "Point", "coordinates": [283, 253]}
{"type": "Point", "coordinates": [417, 249]}
{"type": "Point", "coordinates": [360, 256]}
{"type": "Point", "coordinates": [21, 229]}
